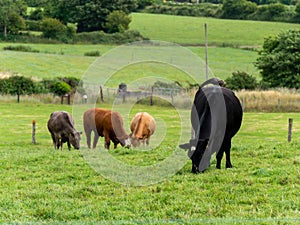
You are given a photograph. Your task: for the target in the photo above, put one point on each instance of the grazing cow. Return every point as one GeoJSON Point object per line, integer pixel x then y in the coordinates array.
{"type": "Point", "coordinates": [61, 127]}
{"type": "Point", "coordinates": [142, 126]}
{"type": "Point", "coordinates": [216, 116]}
{"type": "Point", "coordinates": [107, 124]}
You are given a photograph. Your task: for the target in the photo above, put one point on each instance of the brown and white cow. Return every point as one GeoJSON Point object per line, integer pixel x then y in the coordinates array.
{"type": "Point", "coordinates": [105, 123]}
{"type": "Point", "coordinates": [61, 128]}
{"type": "Point", "coordinates": [142, 126]}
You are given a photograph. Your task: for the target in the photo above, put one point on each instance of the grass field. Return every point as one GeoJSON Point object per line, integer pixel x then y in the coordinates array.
{"type": "Point", "coordinates": [190, 30]}
{"type": "Point", "coordinates": [39, 184]}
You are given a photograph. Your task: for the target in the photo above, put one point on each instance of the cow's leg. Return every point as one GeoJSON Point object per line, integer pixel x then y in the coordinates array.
{"type": "Point", "coordinates": [227, 152]}
{"type": "Point", "coordinates": [53, 140]}
{"type": "Point", "coordinates": [96, 138]}
{"type": "Point", "coordinates": [88, 136]}
{"type": "Point", "coordinates": [69, 146]}
{"type": "Point", "coordinates": [226, 145]}
{"type": "Point", "coordinates": [147, 141]}
{"type": "Point", "coordinates": [106, 140]}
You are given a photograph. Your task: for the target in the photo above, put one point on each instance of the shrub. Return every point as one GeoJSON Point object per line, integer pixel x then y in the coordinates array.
{"type": "Point", "coordinates": [52, 28]}
{"type": "Point", "coordinates": [241, 80]}
{"type": "Point", "coordinates": [20, 48]}
{"type": "Point", "coordinates": [60, 88]}
{"type": "Point", "coordinates": [92, 53]}
{"type": "Point", "coordinates": [117, 21]}
{"type": "Point", "coordinates": [33, 25]}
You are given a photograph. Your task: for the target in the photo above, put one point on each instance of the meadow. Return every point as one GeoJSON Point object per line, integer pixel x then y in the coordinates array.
{"type": "Point", "coordinates": [40, 184]}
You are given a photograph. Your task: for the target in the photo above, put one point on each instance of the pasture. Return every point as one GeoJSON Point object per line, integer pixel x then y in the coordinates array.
{"type": "Point", "coordinates": [39, 184]}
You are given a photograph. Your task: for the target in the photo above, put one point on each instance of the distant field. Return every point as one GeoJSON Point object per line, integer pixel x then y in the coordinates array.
{"type": "Point", "coordinates": [190, 30]}
{"type": "Point", "coordinates": [68, 60]}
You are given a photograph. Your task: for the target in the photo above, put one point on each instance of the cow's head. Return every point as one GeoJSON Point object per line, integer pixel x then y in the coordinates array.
{"type": "Point", "coordinates": [135, 142]}
{"type": "Point", "coordinates": [125, 142]}
{"type": "Point", "coordinates": [74, 138]}
{"type": "Point", "coordinates": [196, 149]}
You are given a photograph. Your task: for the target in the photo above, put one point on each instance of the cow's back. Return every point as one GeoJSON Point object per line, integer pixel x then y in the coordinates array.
{"type": "Point", "coordinates": [142, 125]}
{"type": "Point", "coordinates": [59, 121]}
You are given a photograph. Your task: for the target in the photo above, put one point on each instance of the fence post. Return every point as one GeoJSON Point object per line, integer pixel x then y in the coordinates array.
{"type": "Point", "coordinates": [278, 104]}
{"type": "Point", "coordinates": [101, 94]}
{"type": "Point", "coordinates": [33, 131]}
{"type": "Point", "coordinates": [290, 130]}
{"type": "Point", "coordinates": [151, 96]}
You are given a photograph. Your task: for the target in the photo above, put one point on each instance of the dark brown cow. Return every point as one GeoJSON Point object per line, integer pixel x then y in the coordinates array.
{"type": "Point", "coordinates": [105, 123]}
{"type": "Point", "coordinates": [142, 126]}
{"type": "Point", "coordinates": [61, 127]}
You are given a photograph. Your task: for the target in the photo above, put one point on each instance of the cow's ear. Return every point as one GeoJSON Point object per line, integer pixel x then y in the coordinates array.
{"type": "Point", "coordinates": [185, 146]}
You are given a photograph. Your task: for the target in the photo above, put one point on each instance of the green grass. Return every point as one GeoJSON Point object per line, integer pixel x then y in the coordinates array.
{"type": "Point", "coordinates": [190, 30]}
{"type": "Point", "coordinates": [39, 184]}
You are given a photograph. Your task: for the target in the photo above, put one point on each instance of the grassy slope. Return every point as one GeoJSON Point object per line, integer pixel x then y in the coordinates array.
{"type": "Point", "coordinates": [190, 30]}
{"type": "Point", "coordinates": [39, 184]}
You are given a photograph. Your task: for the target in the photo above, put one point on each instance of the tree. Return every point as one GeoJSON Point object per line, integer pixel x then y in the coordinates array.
{"type": "Point", "coordinates": [19, 85]}
{"type": "Point", "coordinates": [60, 88]}
{"type": "Point", "coordinates": [90, 15]}
{"type": "Point", "coordinates": [117, 21]}
{"type": "Point", "coordinates": [8, 11]}
{"type": "Point", "coordinates": [279, 59]}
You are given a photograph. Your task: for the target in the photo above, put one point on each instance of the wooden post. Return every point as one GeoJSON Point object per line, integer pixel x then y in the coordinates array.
{"type": "Point", "coordinates": [278, 106]}
{"type": "Point", "coordinates": [151, 96]}
{"type": "Point", "coordinates": [290, 130]}
{"type": "Point", "coordinates": [33, 131]}
{"type": "Point", "coordinates": [206, 51]}
{"type": "Point", "coordinates": [69, 99]}
{"type": "Point", "coordinates": [101, 94]}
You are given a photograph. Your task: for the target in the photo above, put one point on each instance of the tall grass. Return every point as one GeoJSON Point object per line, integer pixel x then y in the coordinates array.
{"type": "Point", "coordinates": [277, 100]}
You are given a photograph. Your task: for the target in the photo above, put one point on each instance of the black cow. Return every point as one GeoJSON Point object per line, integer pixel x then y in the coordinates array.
{"type": "Point", "coordinates": [61, 127]}
{"type": "Point", "coordinates": [216, 116]}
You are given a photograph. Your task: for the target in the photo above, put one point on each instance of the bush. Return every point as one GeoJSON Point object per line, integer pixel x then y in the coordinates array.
{"type": "Point", "coordinates": [117, 21]}
{"type": "Point", "coordinates": [20, 48]}
{"type": "Point", "coordinates": [60, 88]}
{"type": "Point", "coordinates": [52, 28]}
{"type": "Point", "coordinates": [99, 37]}
{"type": "Point", "coordinates": [92, 53]}
{"type": "Point", "coordinates": [241, 80]}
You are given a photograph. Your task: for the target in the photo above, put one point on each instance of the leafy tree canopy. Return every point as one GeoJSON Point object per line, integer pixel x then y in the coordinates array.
{"type": "Point", "coordinates": [279, 60]}
{"type": "Point", "coordinates": [90, 15]}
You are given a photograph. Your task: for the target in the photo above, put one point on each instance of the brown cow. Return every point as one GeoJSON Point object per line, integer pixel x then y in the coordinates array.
{"type": "Point", "coordinates": [61, 128]}
{"type": "Point", "coordinates": [142, 126]}
{"type": "Point", "coordinates": [105, 123]}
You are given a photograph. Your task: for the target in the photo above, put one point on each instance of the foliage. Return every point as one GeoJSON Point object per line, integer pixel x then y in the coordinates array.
{"type": "Point", "coordinates": [279, 58]}
{"type": "Point", "coordinates": [37, 14]}
{"type": "Point", "coordinates": [17, 85]}
{"type": "Point", "coordinates": [10, 15]}
{"type": "Point", "coordinates": [241, 80]}
{"type": "Point", "coordinates": [199, 10]}
{"type": "Point", "coordinates": [52, 28]}
{"type": "Point", "coordinates": [89, 15]}
{"type": "Point", "coordinates": [237, 9]}
{"type": "Point", "coordinates": [20, 48]}
{"type": "Point", "coordinates": [100, 37]}
{"type": "Point", "coordinates": [60, 88]}
{"type": "Point", "coordinates": [117, 21]}
{"type": "Point", "coordinates": [92, 53]}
